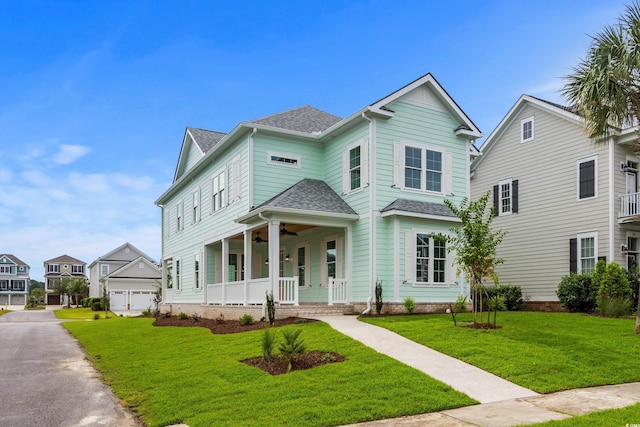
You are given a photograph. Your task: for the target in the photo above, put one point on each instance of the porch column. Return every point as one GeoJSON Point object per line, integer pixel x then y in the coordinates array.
{"type": "Point", "coordinates": [274, 258]}
{"type": "Point", "coordinates": [225, 267]}
{"type": "Point", "coordinates": [247, 264]}
{"type": "Point", "coordinates": [348, 237]}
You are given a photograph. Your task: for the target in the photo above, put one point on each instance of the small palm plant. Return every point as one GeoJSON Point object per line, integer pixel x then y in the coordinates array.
{"type": "Point", "coordinates": [292, 346]}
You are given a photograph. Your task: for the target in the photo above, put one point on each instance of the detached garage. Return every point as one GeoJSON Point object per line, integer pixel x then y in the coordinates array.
{"type": "Point", "coordinates": [133, 286]}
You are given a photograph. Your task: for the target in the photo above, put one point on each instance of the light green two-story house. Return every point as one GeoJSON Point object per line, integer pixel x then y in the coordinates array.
{"type": "Point", "coordinates": [316, 208]}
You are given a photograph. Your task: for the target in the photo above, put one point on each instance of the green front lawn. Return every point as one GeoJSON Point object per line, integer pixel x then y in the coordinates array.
{"type": "Point", "coordinates": [545, 352]}
{"type": "Point", "coordinates": [628, 416]}
{"type": "Point", "coordinates": [79, 313]}
{"type": "Point", "coordinates": [177, 374]}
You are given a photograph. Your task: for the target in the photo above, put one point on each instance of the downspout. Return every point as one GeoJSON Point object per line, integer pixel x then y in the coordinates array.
{"type": "Point", "coordinates": [372, 219]}
{"type": "Point", "coordinates": [250, 168]}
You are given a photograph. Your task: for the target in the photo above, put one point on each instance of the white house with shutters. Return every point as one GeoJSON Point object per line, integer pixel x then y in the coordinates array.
{"type": "Point", "coordinates": [564, 200]}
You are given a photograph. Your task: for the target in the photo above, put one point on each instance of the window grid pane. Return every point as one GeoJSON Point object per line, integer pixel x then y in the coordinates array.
{"type": "Point", "coordinates": [301, 266]}
{"type": "Point", "coordinates": [422, 258]}
{"type": "Point", "coordinates": [505, 198]}
{"type": "Point", "coordinates": [587, 255]}
{"type": "Point", "coordinates": [413, 167]}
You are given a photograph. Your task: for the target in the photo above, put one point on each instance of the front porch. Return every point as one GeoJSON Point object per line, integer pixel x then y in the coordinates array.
{"type": "Point", "coordinates": [629, 208]}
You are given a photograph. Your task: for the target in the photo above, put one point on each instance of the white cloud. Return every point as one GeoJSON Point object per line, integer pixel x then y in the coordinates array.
{"type": "Point", "coordinates": [68, 154]}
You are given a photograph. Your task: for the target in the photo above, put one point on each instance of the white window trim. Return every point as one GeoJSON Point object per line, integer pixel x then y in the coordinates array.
{"type": "Point", "coordinates": [500, 184]}
{"type": "Point", "coordinates": [595, 177]}
{"type": "Point", "coordinates": [197, 280]}
{"type": "Point", "coordinates": [446, 173]}
{"type": "Point", "coordinates": [410, 261]}
{"type": "Point", "coordinates": [533, 135]}
{"type": "Point", "coordinates": [297, 158]}
{"type": "Point", "coordinates": [225, 194]}
{"type": "Point", "coordinates": [197, 206]}
{"type": "Point", "coordinates": [102, 266]}
{"type": "Point", "coordinates": [177, 274]}
{"type": "Point", "coordinates": [180, 216]}
{"type": "Point", "coordinates": [307, 259]}
{"type": "Point", "coordinates": [364, 167]}
{"type": "Point", "coordinates": [579, 238]}
{"type": "Point", "coordinates": [324, 278]}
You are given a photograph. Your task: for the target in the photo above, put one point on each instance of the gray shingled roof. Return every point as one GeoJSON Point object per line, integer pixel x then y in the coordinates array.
{"type": "Point", "coordinates": [206, 139]}
{"type": "Point", "coordinates": [419, 207]}
{"type": "Point", "coordinates": [302, 119]}
{"type": "Point", "coordinates": [570, 109]}
{"type": "Point", "coordinates": [310, 195]}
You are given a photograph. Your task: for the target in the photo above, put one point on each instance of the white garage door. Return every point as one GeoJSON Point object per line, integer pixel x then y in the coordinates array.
{"type": "Point", "coordinates": [142, 300]}
{"type": "Point", "coordinates": [118, 300]}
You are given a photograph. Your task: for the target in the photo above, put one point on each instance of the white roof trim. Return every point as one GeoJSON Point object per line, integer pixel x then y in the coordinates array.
{"type": "Point", "coordinates": [398, 212]}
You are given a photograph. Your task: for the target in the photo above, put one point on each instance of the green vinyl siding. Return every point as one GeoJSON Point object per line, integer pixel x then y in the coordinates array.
{"type": "Point", "coordinates": [271, 179]}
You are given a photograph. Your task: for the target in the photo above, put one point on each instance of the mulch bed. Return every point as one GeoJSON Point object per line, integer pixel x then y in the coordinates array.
{"type": "Point", "coordinates": [227, 326]}
{"type": "Point", "coordinates": [278, 366]}
{"type": "Point", "coordinates": [307, 360]}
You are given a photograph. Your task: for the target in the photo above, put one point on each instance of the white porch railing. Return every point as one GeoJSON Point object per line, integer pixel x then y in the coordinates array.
{"type": "Point", "coordinates": [254, 292]}
{"type": "Point", "coordinates": [629, 205]}
{"type": "Point", "coordinates": [288, 290]}
{"type": "Point", "coordinates": [337, 291]}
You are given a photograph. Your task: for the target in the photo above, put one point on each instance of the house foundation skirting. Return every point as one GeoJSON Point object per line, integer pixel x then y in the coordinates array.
{"type": "Point", "coordinates": [398, 307]}
{"type": "Point", "coordinates": [234, 312]}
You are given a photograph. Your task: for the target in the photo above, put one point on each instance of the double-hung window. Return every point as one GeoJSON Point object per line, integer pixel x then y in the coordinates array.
{"type": "Point", "coordinates": [218, 191]}
{"type": "Point", "coordinates": [77, 269]}
{"type": "Point", "coordinates": [354, 168]}
{"type": "Point", "coordinates": [505, 197]}
{"type": "Point", "coordinates": [587, 252]}
{"type": "Point", "coordinates": [430, 259]}
{"type": "Point", "coordinates": [195, 217]}
{"type": "Point", "coordinates": [196, 271]}
{"type": "Point", "coordinates": [177, 272]}
{"type": "Point", "coordinates": [587, 177]}
{"type": "Point", "coordinates": [423, 169]}
{"type": "Point", "coordinates": [527, 129]}
{"type": "Point", "coordinates": [179, 216]}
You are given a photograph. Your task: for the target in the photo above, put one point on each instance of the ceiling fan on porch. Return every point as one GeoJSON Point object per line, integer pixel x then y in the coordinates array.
{"type": "Point", "coordinates": [259, 239]}
{"type": "Point", "coordinates": [285, 232]}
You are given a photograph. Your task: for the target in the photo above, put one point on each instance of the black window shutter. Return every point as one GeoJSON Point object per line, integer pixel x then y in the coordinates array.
{"type": "Point", "coordinates": [496, 199]}
{"type": "Point", "coordinates": [602, 258]}
{"type": "Point", "coordinates": [514, 196]}
{"type": "Point", "coordinates": [587, 179]}
{"type": "Point", "coordinates": [573, 255]}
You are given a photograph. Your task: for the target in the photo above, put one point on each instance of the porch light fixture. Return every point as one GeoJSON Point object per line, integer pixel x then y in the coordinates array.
{"type": "Point", "coordinates": [287, 258]}
{"type": "Point", "coordinates": [266, 261]}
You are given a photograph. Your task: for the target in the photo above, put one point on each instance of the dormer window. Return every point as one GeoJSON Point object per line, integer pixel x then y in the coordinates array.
{"type": "Point", "coordinates": [527, 129]}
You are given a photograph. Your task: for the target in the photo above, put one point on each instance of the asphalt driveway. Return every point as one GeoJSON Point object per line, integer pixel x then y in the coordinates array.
{"type": "Point", "coordinates": [46, 380]}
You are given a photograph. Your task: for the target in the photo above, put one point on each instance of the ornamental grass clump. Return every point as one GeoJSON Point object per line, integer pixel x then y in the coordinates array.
{"type": "Point", "coordinates": [268, 342]}
{"type": "Point", "coordinates": [409, 305]}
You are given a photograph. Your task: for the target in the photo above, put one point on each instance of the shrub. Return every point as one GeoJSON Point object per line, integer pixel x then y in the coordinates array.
{"type": "Point", "coordinates": [511, 295]}
{"type": "Point", "coordinates": [182, 316]}
{"type": "Point", "coordinates": [634, 282]}
{"type": "Point", "coordinates": [301, 320]}
{"type": "Point", "coordinates": [613, 284]}
{"type": "Point", "coordinates": [327, 358]}
{"type": "Point", "coordinates": [596, 275]}
{"type": "Point", "coordinates": [96, 316]}
{"type": "Point", "coordinates": [246, 319]}
{"type": "Point", "coordinates": [409, 305]}
{"type": "Point", "coordinates": [220, 319]}
{"type": "Point", "coordinates": [292, 346]}
{"type": "Point", "coordinates": [268, 341]}
{"type": "Point", "coordinates": [96, 306]}
{"type": "Point", "coordinates": [576, 293]}
{"type": "Point", "coordinates": [461, 304]}
{"type": "Point", "coordinates": [378, 297]}
{"type": "Point", "coordinates": [615, 307]}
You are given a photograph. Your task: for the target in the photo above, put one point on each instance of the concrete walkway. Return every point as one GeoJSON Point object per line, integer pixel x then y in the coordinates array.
{"type": "Point", "coordinates": [503, 404]}
{"type": "Point", "coordinates": [474, 382]}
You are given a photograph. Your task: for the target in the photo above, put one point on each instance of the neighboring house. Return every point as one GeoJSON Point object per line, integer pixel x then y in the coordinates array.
{"type": "Point", "coordinates": [130, 277]}
{"type": "Point", "coordinates": [58, 268]}
{"type": "Point", "coordinates": [564, 200]}
{"type": "Point", "coordinates": [317, 208]}
{"type": "Point", "coordinates": [14, 280]}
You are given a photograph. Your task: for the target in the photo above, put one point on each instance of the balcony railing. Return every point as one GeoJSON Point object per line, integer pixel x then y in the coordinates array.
{"type": "Point", "coordinates": [629, 205]}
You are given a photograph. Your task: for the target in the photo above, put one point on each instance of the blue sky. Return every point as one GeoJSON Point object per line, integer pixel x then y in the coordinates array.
{"type": "Point", "coordinates": [95, 96]}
